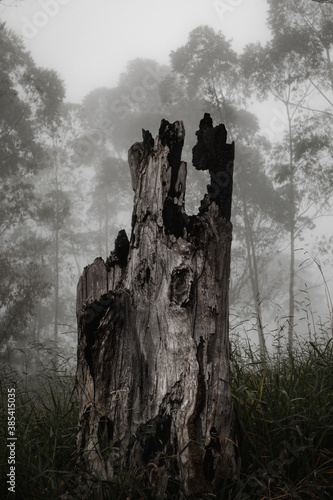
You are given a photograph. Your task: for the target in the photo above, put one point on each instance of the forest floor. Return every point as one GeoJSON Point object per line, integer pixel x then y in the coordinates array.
{"type": "Point", "coordinates": [284, 434]}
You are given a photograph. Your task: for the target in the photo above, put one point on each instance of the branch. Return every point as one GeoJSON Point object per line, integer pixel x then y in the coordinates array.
{"type": "Point", "coordinates": [311, 109]}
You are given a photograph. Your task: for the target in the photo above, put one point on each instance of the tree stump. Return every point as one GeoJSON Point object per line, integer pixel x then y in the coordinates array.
{"type": "Point", "coordinates": [153, 350]}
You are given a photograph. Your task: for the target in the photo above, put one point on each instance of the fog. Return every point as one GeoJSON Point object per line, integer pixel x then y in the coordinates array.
{"type": "Point", "coordinates": [89, 44]}
{"type": "Point", "coordinates": [117, 67]}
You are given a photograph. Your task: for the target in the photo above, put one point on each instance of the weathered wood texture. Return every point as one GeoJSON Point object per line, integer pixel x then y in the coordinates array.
{"type": "Point", "coordinates": [153, 350]}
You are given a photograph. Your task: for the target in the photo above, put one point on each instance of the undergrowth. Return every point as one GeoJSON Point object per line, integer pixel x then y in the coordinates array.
{"type": "Point", "coordinates": [284, 418]}
{"type": "Point", "coordinates": [284, 434]}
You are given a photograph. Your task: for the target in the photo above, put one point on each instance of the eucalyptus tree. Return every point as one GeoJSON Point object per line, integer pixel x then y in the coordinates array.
{"type": "Point", "coordinates": [307, 29]}
{"type": "Point", "coordinates": [118, 113]}
{"type": "Point", "coordinates": [29, 101]}
{"type": "Point", "coordinates": [63, 189]}
{"type": "Point", "coordinates": [30, 98]}
{"type": "Point", "coordinates": [211, 72]}
{"type": "Point", "coordinates": [53, 213]}
{"type": "Point", "coordinates": [112, 119]}
{"type": "Point", "coordinates": [287, 68]}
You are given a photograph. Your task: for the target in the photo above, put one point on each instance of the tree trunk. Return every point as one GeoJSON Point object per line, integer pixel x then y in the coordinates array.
{"type": "Point", "coordinates": [56, 286]}
{"type": "Point", "coordinates": [292, 209]}
{"type": "Point", "coordinates": [253, 274]}
{"type": "Point", "coordinates": [153, 349]}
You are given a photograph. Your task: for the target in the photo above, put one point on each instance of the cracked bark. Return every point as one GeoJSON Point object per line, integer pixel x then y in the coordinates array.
{"type": "Point", "coordinates": [153, 349]}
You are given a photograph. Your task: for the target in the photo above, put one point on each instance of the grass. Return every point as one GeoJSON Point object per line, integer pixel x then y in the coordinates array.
{"type": "Point", "coordinates": [46, 423]}
{"type": "Point", "coordinates": [284, 433]}
{"type": "Point", "coordinates": [284, 414]}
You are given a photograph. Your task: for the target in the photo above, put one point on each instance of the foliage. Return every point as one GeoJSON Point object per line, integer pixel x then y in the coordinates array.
{"type": "Point", "coordinates": [302, 32]}
{"type": "Point", "coordinates": [25, 282]}
{"type": "Point", "coordinates": [214, 76]}
{"type": "Point", "coordinates": [284, 414]}
{"type": "Point", "coordinates": [295, 68]}
{"type": "Point", "coordinates": [208, 64]}
{"type": "Point", "coordinates": [29, 98]}
{"type": "Point", "coordinates": [284, 432]}
{"type": "Point", "coordinates": [29, 101]}
{"type": "Point", "coordinates": [46, 420]}
{"type": "Point", "coordinates": [121, 112]}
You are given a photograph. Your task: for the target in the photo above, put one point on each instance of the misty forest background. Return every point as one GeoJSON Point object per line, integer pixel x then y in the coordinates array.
{"type": "Point", "coordinates": [66, 190]}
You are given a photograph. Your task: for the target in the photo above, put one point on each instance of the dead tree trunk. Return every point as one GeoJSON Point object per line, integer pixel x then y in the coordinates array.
{"type": "Point", "coordinates": [153, 350]}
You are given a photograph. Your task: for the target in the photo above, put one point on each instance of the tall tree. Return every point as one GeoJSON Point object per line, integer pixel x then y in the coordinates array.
{"type": "Point", "coordinates": [287, 68]}
{"type": "Point", "coordinates": [307, 30]}
{"type": "Point", "coordinates": [64, 188]}
{"type": "Point", "coordinates": [29, 100]}
{"type": "Point", "coordinates": [135, 103]}
{"type": "Point", "coordinates": [111, 118]}
{"type": "Point", "coordinates": [54, 212]}
{"type": "Point", "coordinates": [210, 70]}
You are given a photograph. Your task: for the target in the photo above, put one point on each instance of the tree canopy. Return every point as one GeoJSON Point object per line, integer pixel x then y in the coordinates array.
{"type": "Point", "coordinates": [30, 99]}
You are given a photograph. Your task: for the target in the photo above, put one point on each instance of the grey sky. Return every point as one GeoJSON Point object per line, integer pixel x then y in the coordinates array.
{"type": "Point", "coordinates": [89, 42]}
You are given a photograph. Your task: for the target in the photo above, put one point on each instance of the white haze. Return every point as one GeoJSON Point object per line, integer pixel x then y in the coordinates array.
{"type": "Point", "coordinates": [89, 42]}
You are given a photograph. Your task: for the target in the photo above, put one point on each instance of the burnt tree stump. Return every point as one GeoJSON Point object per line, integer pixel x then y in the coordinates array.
{"type": "Point", "coordinates": [153, 349]}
